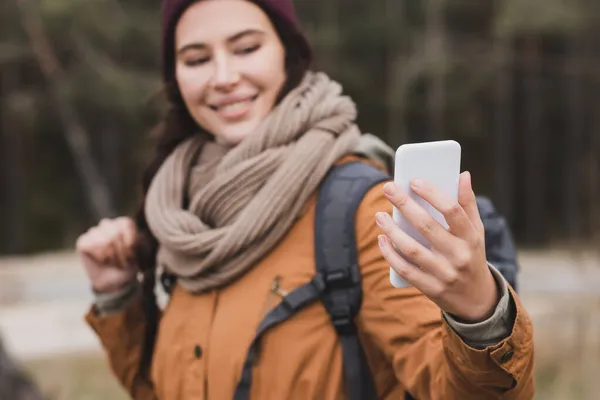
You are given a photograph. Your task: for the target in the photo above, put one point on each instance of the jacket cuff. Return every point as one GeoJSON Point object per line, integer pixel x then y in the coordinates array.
{"type": "Point", "coordinates": [514, 354]}
{"type": "Point", "coordinates": [494, 329]}
{"type": "Point", "coordinates": [115, 302]}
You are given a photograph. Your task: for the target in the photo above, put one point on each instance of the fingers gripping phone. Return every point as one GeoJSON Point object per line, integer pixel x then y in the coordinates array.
{"type": "Point", "coordinates": [439, 164]}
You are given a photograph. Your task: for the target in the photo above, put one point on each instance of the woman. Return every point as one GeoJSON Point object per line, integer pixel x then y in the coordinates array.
{"type": "Point", "coordinates": [229, 208]}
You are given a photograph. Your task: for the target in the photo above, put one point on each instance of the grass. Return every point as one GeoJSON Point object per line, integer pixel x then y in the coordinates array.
{"type": "Point", "coordinates": [76, 377]}
{"type": "Point", "coordinates": [567, 343]}
{"type": "Point", "coordinates": [86, 377]}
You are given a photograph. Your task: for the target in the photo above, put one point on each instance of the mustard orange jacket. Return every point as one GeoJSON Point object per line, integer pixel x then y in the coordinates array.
{"type": "Point", "coordinates": [203, 339]}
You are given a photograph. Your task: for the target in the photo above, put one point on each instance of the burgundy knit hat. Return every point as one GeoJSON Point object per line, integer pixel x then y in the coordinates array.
{"type": "Point", "coordinates": [173, 9]}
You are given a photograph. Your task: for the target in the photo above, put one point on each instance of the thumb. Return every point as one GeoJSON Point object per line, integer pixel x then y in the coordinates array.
{"type": "Point", "coordinates": [466, 198]}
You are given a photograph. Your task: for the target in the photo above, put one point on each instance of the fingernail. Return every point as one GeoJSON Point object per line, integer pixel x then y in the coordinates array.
{"type": "Point", "coordinates": [468, 175]}
{"type": "Point", "coordinates": [389, 189]}
{"type": "Point", "coordinates": [381, 239]}
{"type": "Point", "coordinates": [380, 218]}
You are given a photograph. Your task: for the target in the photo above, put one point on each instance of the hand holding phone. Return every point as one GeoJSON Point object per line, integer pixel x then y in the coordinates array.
{"type": "Point", "coordinates": [436, 240]}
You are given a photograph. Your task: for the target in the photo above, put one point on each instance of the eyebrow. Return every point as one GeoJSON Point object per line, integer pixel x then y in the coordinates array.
{"type": "Point", "coordinates": [231, 39]}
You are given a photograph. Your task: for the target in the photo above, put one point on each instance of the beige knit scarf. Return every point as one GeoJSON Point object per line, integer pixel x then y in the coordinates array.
{"type": "Point", "coordinates": [212, 230]}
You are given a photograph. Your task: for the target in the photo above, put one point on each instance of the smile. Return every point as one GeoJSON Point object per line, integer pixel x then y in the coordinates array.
{"type": "Point", "coordinates": [235, 110]}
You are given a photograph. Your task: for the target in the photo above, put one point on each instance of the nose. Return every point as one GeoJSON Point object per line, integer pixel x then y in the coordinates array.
{"type": "Point", "coordinates": [225, 75]}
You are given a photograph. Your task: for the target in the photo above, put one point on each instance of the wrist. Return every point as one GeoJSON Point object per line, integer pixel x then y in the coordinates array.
{"type": "Point", "coordinates": [114, 302]}
{"type": "Point", "coordinates": [105, 289]}
{"type": "Point", "coordinates": [483, 309]}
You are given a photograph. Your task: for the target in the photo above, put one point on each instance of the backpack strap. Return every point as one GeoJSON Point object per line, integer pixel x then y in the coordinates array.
{"type": "Point", "coordinates": [289, 305]}
{"type": "Point", "coordinates": [500, 247]}
{"type": "Point", "coordinates": [337, 262]}
{"type": "Point", "coordinates": [338, 280]}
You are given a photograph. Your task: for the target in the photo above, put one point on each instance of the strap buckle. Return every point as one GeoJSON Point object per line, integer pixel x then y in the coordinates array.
{"type": "Point", "coordinates": [342, 320]}
{"type": "Point", "coordinates": [338, 299]}
{"type": "Point", "coordinates": [340, 278]}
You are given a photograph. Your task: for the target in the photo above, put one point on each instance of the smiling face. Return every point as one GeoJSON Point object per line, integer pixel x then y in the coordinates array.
{"type": "Point", "coordinates": [229, 66]}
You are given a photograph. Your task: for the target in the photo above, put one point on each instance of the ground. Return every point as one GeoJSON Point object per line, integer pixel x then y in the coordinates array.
{"type": "Point", "coordinates": [43, 299]}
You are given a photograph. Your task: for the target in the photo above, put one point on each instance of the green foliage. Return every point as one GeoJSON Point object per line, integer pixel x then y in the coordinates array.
{"type": "Point", "coordinates": [534, 17]}
{"type": "Point", "coordinates": [109, 51]}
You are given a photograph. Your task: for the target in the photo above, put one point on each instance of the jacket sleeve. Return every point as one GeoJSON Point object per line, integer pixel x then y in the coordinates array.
{"type": "Point", "coordinates": [428, 357]}
{"type": "Point", "coordinates": [122, 336]}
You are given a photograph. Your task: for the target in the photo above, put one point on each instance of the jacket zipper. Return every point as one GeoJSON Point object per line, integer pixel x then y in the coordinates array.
{"type": "Point", "coordinates": [275, 292]}
{"type": "Point", "coordinates": [276, 288]}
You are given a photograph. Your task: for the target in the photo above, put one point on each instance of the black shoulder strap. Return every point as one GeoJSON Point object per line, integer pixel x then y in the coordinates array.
{"type": "Point", "coordinates": [500, 247]}
{"type": "Point", "coordinates": [338, 279]}
{"type": "Point", "coordinates": [290, 304]}
{"type": "Point", "coordinates": [337, 262]}
{"type": "Point", "coordinates": [337, 282]}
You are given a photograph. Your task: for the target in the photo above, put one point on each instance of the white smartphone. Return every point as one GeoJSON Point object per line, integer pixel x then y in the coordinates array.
{"type": "Point", "coordinates": [439, 164]}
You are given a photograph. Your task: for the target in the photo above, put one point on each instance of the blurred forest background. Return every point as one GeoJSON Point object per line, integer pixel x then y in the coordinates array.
{"type": "Point", "coordinates": [516, 82]}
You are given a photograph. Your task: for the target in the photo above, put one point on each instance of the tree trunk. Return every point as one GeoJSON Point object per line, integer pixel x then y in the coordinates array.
{"type": "Point", "coordinates": [77, 138]}
{"type": "Point", "coordinates": [13, 174]}
{"type": "Point", "coordinates": [503, 147]}
{"type": "Point", "coordinates": [395, 20]}
{"type": "Point", "coordinates": [330, 25]}
{"type": "Point", "coordinates": [111, 142]}
{"type": "Point", "coordinates": [574, 137]}
{"type": "Point", "coordinates": [435, 48]}
{"type": "Point", "coordinates": [535, 193]}
{"type": "Point", "coordinates": [594, 182]}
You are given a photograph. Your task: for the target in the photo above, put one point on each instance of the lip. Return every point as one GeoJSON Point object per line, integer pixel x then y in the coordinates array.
{"type": "Point", "coordinates": [227, 113]}
{"type": "Point", "coordinates": [226, 101]}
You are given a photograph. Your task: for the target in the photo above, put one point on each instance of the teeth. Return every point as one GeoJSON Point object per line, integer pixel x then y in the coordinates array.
{"type": "Point", "coordinates": [235, 106]}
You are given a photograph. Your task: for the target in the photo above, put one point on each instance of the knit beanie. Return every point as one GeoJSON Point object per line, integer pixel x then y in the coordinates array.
{"type": "Point", "coordinates": [282, 9]}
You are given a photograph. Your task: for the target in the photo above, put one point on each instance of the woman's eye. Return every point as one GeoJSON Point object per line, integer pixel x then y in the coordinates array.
{"type": "Point", "coordinates": [249, 49]}
{"type": "Point", "coordinates": [196, 61]}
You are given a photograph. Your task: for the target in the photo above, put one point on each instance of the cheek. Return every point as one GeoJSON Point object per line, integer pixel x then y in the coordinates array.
{"type": "Point", "coordinates": [268, 72]}
{"type": "Point", "coordinates": [191, 85]}
{"type": "Point", "coordinates": [278, 72]}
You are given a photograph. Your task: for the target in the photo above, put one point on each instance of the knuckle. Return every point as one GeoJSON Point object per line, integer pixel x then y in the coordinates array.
{"type": "Point", "coordinates": [451, 277]}
{"type": "Point", "coordinates": [81, 242]}
{"type": "Point", "coordinates": [436, 292]}
{"type": "Point", "coordinates": [453, 211]}
{"type": "Point", "coordinates": [429, 226]}
{"type": "Point", "coordinates": [125, 222]}
{"type": "Point", "coordinates": [412, 252]}
{"type": "Point", "coordinates": [105, 222]}
{"type": "Point", "coordinates": [104, 229]}
{"type": "Point", "coordinates": [462, 259]}
{"type": "Point", "coordinates": [477, 241]}
{"type": "Point", "coordinates": [120, 222]}
{"type": "Point", "coordinates": [127, 226]}
{"type": "Point", "coordinates": [402, 200]}
{"type": "Point", "coordinates": [86, 241]}
{"type": "Point", "coordinates": [102, 243]}
{"type": "Point", "coordinates": [131, 224]}
{"type": "Point", "coordinates": [111, 236]}
{"type": "Point", "coordinates": [403, 272]}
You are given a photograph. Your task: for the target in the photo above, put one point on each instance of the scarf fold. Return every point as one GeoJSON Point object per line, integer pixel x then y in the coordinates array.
{"type": "Point", "coordinates": [217, 219]}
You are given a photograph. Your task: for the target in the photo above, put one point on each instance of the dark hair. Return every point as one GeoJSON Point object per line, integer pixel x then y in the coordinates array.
{"type": "Point", "coordinates": [176, 126]}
